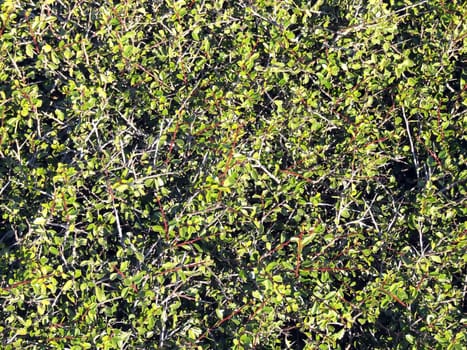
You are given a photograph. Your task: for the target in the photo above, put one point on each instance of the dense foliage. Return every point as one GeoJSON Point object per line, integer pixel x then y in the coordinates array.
{"type": "Point", "coordinates": [233, 174]}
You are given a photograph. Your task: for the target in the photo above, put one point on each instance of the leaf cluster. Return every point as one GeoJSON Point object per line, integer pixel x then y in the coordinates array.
{"type": "Point", "coordinates": [232, 174]}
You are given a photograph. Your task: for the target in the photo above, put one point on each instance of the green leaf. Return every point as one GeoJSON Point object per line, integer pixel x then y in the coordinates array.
{"type": "Point", "coordinates": [47, 48]}
{"type": "Point", "coordinates": [277, 278]}
{"type": "Point", "coordinates": [195, 33]}
{"type": "Point", "coordinates": [67, 286]}
{"type": "Point", "coordinates": [100, 295]}
{"type": "Point", "coordinates": [220, 313]}
{"type": "Point", "coordinates": [257, 295]}
{"type": "Point", "coordinates": [40, 221]}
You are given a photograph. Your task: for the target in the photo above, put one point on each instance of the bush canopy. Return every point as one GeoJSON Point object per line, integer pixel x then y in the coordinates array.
{"type": "Point", "coordinates": [251, 174]}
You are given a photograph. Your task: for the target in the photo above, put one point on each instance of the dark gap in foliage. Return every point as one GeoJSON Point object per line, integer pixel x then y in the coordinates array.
{"type": "Point", "coordinates": [360, 279]}
{"type": "Point", "coordinates": [405, 175]}
{"type": "Point", "coordinates": [391, 327]}
{"type": "Point", "coordinates": [122, 319]}
{"type": "Point", "coordinates": [290, 332]}
{"type": "Point", "coordinates": [329, 197]}
{"type": "Point", "coordinates": [224, 257]}
{"type": "Point", "coordinates": [453, 91]}
{"type": "Point", "coordinates": [336, 15]}
{"type": "Point", "coordinates": [219, 338]}
{"type": "Point", "coordinates": [356, 339]}
{"type": "Point", "coordinates": [459, 282]}
{"type": "Point", "coordinates": [7, 238]}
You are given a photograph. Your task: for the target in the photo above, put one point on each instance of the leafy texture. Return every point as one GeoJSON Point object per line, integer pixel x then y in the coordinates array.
{"type": "Point", "coordinates": [232, 174]}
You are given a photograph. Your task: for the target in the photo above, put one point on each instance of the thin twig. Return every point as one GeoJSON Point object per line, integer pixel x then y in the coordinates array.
{"type": "Point", "coordinates": [264, 169]}
{"type": "Point", "coordinates": [412, 148]}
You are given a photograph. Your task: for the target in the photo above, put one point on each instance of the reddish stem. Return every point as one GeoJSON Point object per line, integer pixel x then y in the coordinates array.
{"type": "Point", "coordinates": [164, 218]}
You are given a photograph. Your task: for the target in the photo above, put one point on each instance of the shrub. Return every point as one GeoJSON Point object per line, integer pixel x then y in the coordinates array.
{"type": "Point", "coordinates": [232, 174]}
